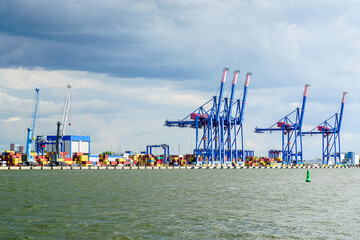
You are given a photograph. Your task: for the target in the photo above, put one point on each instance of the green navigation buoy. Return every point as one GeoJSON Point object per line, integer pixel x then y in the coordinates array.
{"type": "Point", "coordinates": [308, 176]}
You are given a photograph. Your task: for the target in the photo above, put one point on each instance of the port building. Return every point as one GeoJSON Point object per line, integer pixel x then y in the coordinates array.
{"type": "Point", "coordinates": [70, 144]}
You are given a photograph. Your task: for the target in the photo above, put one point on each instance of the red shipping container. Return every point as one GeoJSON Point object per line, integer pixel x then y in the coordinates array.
{"type": "Point", "coordinates": [193, 115]}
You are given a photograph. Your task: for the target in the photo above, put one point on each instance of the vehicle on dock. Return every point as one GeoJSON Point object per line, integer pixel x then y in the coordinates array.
{"type": "Point", "coordinates": [58, 163]}
{"type": "Point", "coordinates": [29, 164]}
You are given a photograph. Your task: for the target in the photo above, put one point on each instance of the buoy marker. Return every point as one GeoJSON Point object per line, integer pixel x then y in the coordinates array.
{"type": "Point", "coordinates": [308, 176]}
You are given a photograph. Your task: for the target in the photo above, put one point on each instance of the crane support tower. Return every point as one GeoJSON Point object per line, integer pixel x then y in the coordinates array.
{"type": "Point", "coordinates": [218, 124]}
{"type": "Point", "coordinates": [330, 133]}
{"type": "Point", "coordinates": [290, 127]}
{"type": "Point", "coordinates": [30, 131]}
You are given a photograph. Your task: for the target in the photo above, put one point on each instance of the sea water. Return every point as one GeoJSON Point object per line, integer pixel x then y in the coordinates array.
{"type": "Point", "coordinates": [180, 204]}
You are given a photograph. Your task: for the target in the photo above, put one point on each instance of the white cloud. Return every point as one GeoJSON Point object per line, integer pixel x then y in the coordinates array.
{"type": "Point", "coordinates": [11, 119]}
{"type": "Point", "coordinates": [130, 113]}
{"type": "Point", "coordinates": [126, 109]}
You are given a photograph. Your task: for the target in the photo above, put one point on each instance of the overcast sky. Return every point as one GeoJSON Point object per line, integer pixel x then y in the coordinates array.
{"type": "Point", "coordinates": [134, 64]}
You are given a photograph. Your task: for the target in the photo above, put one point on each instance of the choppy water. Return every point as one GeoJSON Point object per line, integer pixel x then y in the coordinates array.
{"type": "Point", "coordinates": [180, 204]}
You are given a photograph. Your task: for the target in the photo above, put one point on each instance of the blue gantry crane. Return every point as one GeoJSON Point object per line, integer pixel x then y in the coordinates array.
{"type": "Point", "coordinates": [165, 147]}
{"type": "Point", "coordinates": [290, 127]}
{"type": "Point", "coordinates": [30, 131]}
{"type": "Point", "coordinates": [221, 126]}
{"type": "Point", "coordinates": [330, 133]}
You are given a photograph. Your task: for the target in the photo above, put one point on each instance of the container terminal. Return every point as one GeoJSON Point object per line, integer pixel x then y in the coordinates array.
{"type": "Point", "coordinates": [219, 139]}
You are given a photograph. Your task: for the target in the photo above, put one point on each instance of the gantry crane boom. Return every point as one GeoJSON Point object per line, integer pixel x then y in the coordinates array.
{"type": "Point", "coordinates": [236, 73]}
{"type": "Point", "coordinates": [223, 80]}
{"type": "Point", "coordinates": [341, 111]}
{"type": "Point", "coordinates": [242, 110]}
{"type": "Point", "coordinates": [303, 106]}
{"type": "Point", "coordinates": [60, 132]}
{"type": "Point", "coordinates": [30, 135]}
{"type": "Point", "coordinates": [66, 110]}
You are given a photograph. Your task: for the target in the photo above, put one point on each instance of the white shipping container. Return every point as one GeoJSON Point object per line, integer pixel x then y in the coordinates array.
{"type": "Point", "coordinates": [94, 158]}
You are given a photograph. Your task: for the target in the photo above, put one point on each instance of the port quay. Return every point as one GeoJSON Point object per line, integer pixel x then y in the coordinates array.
{"type": "Point", "coordinates": [165, 167]}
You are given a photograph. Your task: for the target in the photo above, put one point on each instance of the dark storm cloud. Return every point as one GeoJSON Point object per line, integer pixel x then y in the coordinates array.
{"type": "Point", "coordinates": [280, 42]}
{"type": "Point", "coordinates": [111, 37]}
{"type": "Point", "coordinates": [153, 39]}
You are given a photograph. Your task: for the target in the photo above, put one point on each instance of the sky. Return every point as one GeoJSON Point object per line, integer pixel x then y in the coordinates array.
{"type": "Point", "coordinates": [134, 64]}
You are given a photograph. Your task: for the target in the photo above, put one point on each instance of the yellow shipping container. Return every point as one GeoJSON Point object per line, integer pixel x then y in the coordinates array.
{"type": "Point", "coordinates": [16, 161]}
{"type": "Point", "coordinates": [84, 158]}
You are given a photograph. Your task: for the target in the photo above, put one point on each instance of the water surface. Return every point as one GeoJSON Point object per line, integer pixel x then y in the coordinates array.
{"type": "Point", "coordinates": [180, 204]}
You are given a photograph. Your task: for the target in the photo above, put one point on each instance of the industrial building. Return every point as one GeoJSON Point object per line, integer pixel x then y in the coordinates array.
{"type": "Point", "coordinates": [70, 144]}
